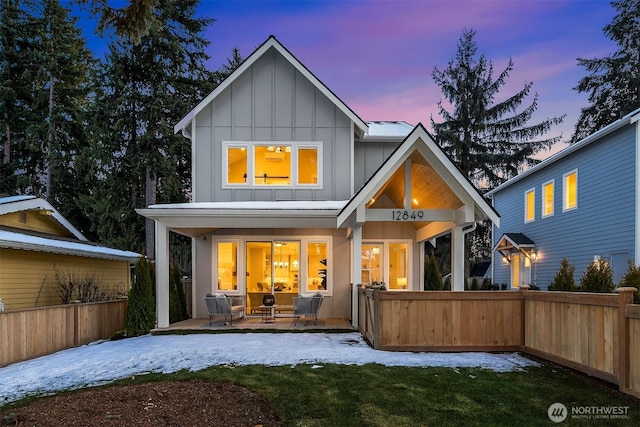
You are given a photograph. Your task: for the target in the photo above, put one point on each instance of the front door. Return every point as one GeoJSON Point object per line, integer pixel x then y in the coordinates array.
{"type": "Point", "coordinates": [272, 268]}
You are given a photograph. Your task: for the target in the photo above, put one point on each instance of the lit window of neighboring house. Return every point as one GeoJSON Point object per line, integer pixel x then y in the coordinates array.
{"type": "Point", "coordinates": [547, 198]}
{"type": "Point", "coordinates": [570, 190]}
{"type": "Point", "coordinates": [272, 164]}
{"type": "Point", "coordinates": [530, 205]}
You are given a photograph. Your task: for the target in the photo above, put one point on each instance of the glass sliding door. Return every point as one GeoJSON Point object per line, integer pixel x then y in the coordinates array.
{"type": "Point", "coordinates": [272, 268]}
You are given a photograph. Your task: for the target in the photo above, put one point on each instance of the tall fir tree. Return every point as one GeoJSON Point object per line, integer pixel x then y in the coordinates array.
{"type": "Point", "coordinates": [15, 39]}
{"type": "Point", "coordinates": [613, 83]}
{"type": "Point", "coordinates": [62, 96]}
{"type": "Point", "coordinates": [145, 88]}
{"type": "Point", "coordinates": [489, 141]}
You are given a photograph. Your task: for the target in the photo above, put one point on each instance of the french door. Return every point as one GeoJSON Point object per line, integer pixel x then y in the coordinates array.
{"type": "Point", "coordinates": [272, 267]}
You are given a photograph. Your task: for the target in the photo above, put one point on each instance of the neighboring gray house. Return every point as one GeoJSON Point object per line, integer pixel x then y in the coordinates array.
{"type": "Point", "coordinates": [581, 204]}
{"type": "Point", "coordinates": [294, 193]}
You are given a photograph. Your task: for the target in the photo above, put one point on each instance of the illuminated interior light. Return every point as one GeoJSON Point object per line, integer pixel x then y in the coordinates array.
{"type": "Point", "coordinates": [415, 201]}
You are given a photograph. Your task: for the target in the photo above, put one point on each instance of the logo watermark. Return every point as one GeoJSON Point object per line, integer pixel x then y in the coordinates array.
{"type": "Point", "coordinates": [558, 412]}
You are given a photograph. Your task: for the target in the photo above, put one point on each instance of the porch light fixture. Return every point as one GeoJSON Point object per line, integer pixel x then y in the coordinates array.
{"type": "Point", "coordinates": [505, 260]}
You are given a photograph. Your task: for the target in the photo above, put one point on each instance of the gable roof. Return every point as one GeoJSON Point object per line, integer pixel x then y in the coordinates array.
{"type": "Point", "coordinates": [14, 238]}
{"type": "Point", "coordinates": [26, 203]}
{"type": "Point", "coordinates": [630, 118]}
{"type": "Point", "coordinates": [419, 139]}
{"type": "Point", "coordinates": [272, 43]}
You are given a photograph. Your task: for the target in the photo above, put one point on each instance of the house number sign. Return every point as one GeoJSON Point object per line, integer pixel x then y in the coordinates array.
{"type": "Point", "coordinates": [407, 215]}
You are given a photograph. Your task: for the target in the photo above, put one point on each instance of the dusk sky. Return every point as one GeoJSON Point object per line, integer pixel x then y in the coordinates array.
{"type": "Point", "coordinates": [377, 56]}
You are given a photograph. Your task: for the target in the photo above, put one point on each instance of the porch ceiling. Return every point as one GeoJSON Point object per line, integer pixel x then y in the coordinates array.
{"type": "Point", "coordinates": [428, 189]}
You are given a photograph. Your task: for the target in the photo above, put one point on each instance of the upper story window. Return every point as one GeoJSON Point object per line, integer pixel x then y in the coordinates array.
{"type": "Point", "coordinates": [272, 164]}
{"type": "Point", "coordinates": [547, 198]}
{"type": "Point", "coordinates": [530, 205]}
{"type": "Point", "coordinates": [570, 190]}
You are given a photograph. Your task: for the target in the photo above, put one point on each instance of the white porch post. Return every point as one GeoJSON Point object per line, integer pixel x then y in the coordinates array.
{"type": "Point", "coordinates": [356, 259]}
{"type": "Point", "coordinates": [457, 259]}
{"type": "Point", "coordinates": [162, 275]}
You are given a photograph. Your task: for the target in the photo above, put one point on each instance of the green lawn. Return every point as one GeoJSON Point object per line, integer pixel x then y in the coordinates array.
{"type": "Point", "coordinates": [375, 395]}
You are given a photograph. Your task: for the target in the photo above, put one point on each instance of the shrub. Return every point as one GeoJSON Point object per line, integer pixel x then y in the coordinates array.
{"type": "Point", "coordinates": [597, 278]}
{"type": "Point", "coordinates": [84, 287]}
{"type": "Point", "coordinates": [563, 281]}
{"type": "Point", "coordinates": [141, 314]}
{"type": "Point", "coordinates": [632, 279]}
{"type": "Point", "coordinates": [474, 284]}
{"type": "Point", "coordinates": [177, 298]}
{"type": "Point", "coordinates": [486, 284]}
{"type": "Point", "coordinates": [432, 277]}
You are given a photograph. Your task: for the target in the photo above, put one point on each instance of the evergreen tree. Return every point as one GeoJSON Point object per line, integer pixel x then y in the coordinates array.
{"type": "Point", "coordinates": [62, 94]}
{"type": "Point", "coordinates": [177, 298]}
{"type": "Point", "coordinates": [613, 83]}
{"type": "Point", "coordinates": [597, 278]}
{"type": "Point", "coordinates": [141, 310]}
{"type": "Point", "coordinates": [563, 280]}
{"type": "Point", "coordinates": [432, 277]}
{"type": "Point", "coordinates": [16, 26]}
{"type": "Point", "coordinates": [139, 159]}
{"type": "Point", "coordinates": [489, 141]}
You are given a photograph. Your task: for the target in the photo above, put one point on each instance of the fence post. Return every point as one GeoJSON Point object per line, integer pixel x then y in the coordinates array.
{"type": "Point", "coordinates": [523, 304]}
{"type": "Point", "coordinates": [625, 296]}
{"type": "Point", "coordinates": [76, 321]}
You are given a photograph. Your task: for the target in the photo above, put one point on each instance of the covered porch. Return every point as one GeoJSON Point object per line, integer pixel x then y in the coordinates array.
{"type": "Point", "coordinates": [255, 324]}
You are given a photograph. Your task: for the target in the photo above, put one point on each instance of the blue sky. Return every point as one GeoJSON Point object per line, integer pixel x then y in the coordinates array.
{"type": "Point", "coordinates": [378, 55]}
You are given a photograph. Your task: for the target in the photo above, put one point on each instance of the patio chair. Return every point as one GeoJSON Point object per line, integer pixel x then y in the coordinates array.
{"type": "Point", "coordinates": [222, 305]}
{"type": "Point", "coordinates": [307, 306]}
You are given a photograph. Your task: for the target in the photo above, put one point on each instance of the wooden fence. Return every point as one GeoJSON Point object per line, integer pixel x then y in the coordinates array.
{"type": "Point", "coordinates": [598, 334]}
{"type": "Point", "coordinates": [33, 332]}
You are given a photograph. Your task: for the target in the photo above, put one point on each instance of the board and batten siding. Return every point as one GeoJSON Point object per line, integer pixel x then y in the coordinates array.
{"type": "Point", "coordinates": [271, 101]}
{"type": "Point", "coordinates": [27, 278]}
{"type": "Point", "coordinates": [368, 158]}
{"type": "Point", "coordinates": [603, 223]}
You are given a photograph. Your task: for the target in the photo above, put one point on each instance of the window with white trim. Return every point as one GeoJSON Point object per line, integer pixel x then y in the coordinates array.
{"type": "Point", "coordinates": [547, 198]}
{"type": "Point", "coordinates": [272, 164]}
{"type": "Point", "coordinates": [530, 205]}
{"type": "Point", "coordinates": [388, 262]}
{"type": "Point", "coordinates": [570, 190]}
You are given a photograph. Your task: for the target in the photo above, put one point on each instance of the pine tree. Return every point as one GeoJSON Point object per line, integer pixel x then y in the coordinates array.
{"type": "Point", "coordinates": [490, 142]}
{"type": "Point", "coordinates": [177, 298]}
{"type": "Point", "coordinates": [613, 83]}
{"type": "Point", "coordinates": [15, 71]}
{"type": "Point", "coordinates": [141, 310]}
{"type": "Point", "coordinates": [141, 162]}
{"type": "Point", "coordinates": [563, 280]}
{"type": "Point", "coordinates": [432, 277]}
{"type": "Point", "coordinates": [62, 94]}
{"type": "Point", "coordinates": [597, 277]}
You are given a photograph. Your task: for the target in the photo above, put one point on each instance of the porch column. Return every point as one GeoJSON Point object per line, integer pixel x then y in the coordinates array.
{"type": "Point", "coordinates": [457, 259]}
{"type": "Point", "coordinates": [356, 261]}
{"type": "Point", "coordinates": [162, 275]}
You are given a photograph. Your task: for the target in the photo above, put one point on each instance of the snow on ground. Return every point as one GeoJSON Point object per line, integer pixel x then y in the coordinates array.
{"type": "Point", "coordinates": [102, 362]}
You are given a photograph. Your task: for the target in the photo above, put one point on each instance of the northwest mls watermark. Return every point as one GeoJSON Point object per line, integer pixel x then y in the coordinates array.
{"type": "Point", "coordinates": [558, 412]}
